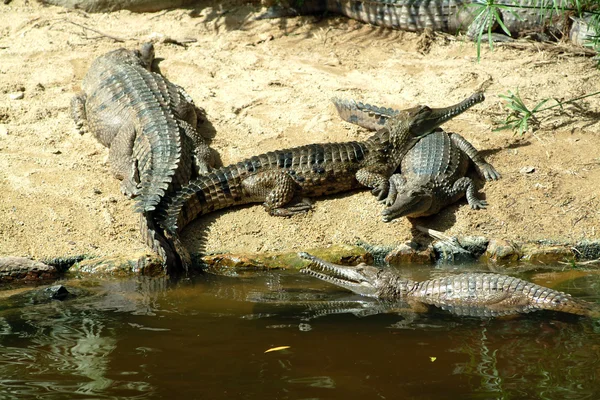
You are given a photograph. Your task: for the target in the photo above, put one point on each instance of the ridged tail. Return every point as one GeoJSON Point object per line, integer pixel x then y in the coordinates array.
{"type": "Point", "coordinates": [157, 147]}
{"type": "Point", "coordinates": [366, 115]}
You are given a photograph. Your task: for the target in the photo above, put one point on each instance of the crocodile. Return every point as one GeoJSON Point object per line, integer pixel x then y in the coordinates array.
{"type": "Point", "coordinates": [468, 294]}
{"type": "Point", "coordinates": [275, 178]}
{"type": "Point", "coordinates": [432, 172]}
{"type": "Point", "coordinates": [149, 125]}
{"type": "Point", "coordinates": [452, 16]}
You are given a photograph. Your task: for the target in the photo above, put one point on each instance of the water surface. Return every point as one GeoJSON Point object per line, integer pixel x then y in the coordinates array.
{"type": "Point", "coordinates": [206, 339]}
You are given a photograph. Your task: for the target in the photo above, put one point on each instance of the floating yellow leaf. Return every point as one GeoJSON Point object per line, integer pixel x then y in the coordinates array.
{"type": "Point", "coordinates": [277, 348]}
{"type": "Point", "coordinates": [433, 359]}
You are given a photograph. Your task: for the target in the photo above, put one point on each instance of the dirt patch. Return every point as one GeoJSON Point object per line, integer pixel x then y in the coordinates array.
{"type": "Point", "coordinates": [267, 85]}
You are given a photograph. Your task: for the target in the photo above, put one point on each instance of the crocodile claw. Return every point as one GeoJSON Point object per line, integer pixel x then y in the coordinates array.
{"type": "Point", "coordinates": [489, 172]}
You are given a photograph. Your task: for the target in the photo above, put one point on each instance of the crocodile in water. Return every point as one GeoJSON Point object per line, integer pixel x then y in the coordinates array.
{"type": "Point", "coordinates": [468, 294]}
{"type": "Point", "coordinates": [432, 172]}
{"type": "Point", "coordinates": [451, 16]}
{"type": "Point", "coordinates": [275, 178]}
{"type": "Point", "coordinates": [149, 124]}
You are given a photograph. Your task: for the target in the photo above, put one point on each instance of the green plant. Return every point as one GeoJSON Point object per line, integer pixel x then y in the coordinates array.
{"type": "Point", "coordinates": [488, 13]}
{"type": "Point", "coordinates": [520, 117]}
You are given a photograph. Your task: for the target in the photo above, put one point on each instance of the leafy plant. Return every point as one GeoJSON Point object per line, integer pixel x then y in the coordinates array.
{"type": "Point", "coordinates": [521, 117]}
{"type": "Point", "coordinates": [488, 13]}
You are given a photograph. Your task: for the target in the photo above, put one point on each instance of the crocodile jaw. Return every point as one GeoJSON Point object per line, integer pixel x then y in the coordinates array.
{"type": "Point", "coordinates": [360, 279]}
{"type": "Point", "coordinates": [424, 119]}
{"type": "Point", "coordinates": [409, 204]}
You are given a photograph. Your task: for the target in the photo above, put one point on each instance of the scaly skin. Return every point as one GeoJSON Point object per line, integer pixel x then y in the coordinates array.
{"type": "Point", "coordinates": [451, 16]}
{"type": "Point", "coordinates": [275, 178]}
{"type": "Point", "coordinates": [469, 294]}
{"type": "Point", "coordinates": [149, 124]}
{"type": "Point", "coordinates": [433, 171]}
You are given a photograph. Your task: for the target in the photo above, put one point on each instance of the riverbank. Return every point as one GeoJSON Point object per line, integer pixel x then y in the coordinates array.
{"type": "Point", "coordinates": [267, 85]}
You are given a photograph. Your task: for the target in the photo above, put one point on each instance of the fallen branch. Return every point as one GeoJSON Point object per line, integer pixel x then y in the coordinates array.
{"type": "Point", "coordinates": [550, 47]}
{"type": "Point", "coordinates": [116, 39]}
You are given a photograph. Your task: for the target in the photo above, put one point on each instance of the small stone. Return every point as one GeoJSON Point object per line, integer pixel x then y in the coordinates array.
{"type": "Point", "coordinates": [3, 130]}
{"type": "Point", "coordinates": [500, 250]}
{"type": "Point", "coordinates": [476, 245]}
{"type": "Point", "coordinates": [97, 191]}
{"type": "Point", "coordinates": [527, 170]}
{"type": "Point", "coordinates": [16, 96]}
{"type": "Point", "coordinates": [407, 253]}
{"type": "Point", "coordinates": [546, 255]}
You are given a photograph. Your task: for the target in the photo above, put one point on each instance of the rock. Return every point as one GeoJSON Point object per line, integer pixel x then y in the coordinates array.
{"type": "Point", "coordinates": [16, 96]}
{"type": "Point", "coordinates": [409, 253]}
{"type": "Point", "coordinates": [451, 252]}
{"type": "Point", "coordinates": [3, 130]}
{"type": "Point", "coordinates": [527, 170]}
{"type": "Point", "coordinates": [144, 264]}
{"type": "Point", "coordinates": [544, 255]}
{"type": "Point", "coordinates": [476, 245]}
{"type": "Point", "coordinates": [587, 250]}
{"type": "Point", "coordinates": [499, 250]}
{"type": "Point", "coordinates": [238, 264]}
{"type": "Point", "coordinates": [24, 269]}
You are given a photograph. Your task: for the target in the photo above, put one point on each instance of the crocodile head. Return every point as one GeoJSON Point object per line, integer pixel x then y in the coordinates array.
{"type": "Point", "coordinates": [362, 279]}
{"type": "Point", "coordinates": [414, 201]}
{"type": "Point", "coordinates": [408, 126]}
{"type": "Point", "coordinates": [142, 57]}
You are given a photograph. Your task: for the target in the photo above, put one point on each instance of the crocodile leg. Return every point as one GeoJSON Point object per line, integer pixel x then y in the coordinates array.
{"type": "Point", "coordinates": [203, 157]}
{"type": "Point", "coordinates": [397, 182]}
{"type": "Point", "coordinates": [465, 185]}
{"type": "Point", "coordinates": [376, 179]}
{"type": "Point", "coordinates": [277, 188]}
{"type": "Point", "coordinates": [78, 112]}
{"type": "Point", "coordinates": [484, 169]}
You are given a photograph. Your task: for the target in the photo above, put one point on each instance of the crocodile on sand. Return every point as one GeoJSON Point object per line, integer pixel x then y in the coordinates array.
{"type": "Point", "coordinates": [275, 178]}
{"type": "Point", "coordinates": [149, 125]}
{"type": "Point", "coordinates": [468, 294]}
{"type": "Point", "coordinates": [451, 16]}
{"type": "Point", "coordinates": [432, 172]}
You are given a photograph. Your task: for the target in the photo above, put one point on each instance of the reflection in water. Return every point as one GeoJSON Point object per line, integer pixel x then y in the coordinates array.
{"type": "Point", "coordinates": [146, 338]}
{"type": "Point", "coordinates": [65, 348]}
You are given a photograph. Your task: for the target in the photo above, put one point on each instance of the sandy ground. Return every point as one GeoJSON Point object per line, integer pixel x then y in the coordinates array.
{"type": "Point", "coordinates": [267, 85]}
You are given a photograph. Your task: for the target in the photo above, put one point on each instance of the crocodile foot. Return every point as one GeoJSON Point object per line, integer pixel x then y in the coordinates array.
{"type": "Point", "coordinates": [489, 172]}
{"type": "Point", "coordinates": [297, 208]}
{"type": "Point", "coordinates": [478, 204]}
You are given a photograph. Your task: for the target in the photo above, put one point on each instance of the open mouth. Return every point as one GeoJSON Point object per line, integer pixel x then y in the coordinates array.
{"type": "Point", "coordinates": [330, 272]}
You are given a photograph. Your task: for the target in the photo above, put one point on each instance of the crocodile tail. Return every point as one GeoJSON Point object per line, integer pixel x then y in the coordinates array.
{"type": "Point", "coordinates": [157, 148]}
{"type": "Point", "coordinates": [563, 302]}
{"type": "Point", "coordinates": [365, 115]}
{"type": "Point", "coordinates": [166, 247]}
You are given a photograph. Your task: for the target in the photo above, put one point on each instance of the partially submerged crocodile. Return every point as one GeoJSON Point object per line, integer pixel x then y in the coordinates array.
{"type": "Point", "coordinates": [432, 172]}
{"type": "Point", "coordinates": [451, 16]}
{"type": "Point", "coordinates": [468, 294]}
{"type": "Point", "coordinates": [149, 124]}
{"type": "Point", "coordinates": [275, 178]}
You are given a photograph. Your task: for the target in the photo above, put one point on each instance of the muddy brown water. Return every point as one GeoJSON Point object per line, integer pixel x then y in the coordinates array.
{"type": "Point", "coordinates": [206, 339]}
